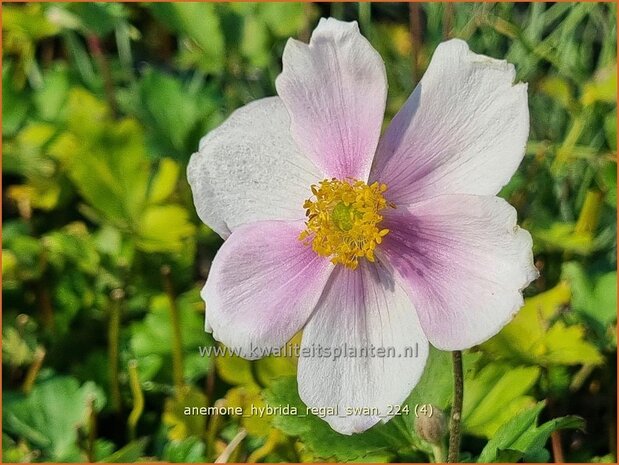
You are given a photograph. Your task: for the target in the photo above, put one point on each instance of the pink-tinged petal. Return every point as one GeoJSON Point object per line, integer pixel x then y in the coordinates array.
{"type": "Point", "coordinates": [464, 262]}
{"type": "Point", "coordinates": [249, 169]}
{"type": "Point", "coordinates": [361, 308]}
{"type": "Point", "coordinates": [335, 90]}
{"type": "Point", "coordinates": [262, 287]}
{"type": "Point", "coordinates": [462, 131]}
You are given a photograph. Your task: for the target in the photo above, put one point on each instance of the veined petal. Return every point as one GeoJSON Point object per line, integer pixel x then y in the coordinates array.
{"type": "Point", "coordinates": [262, 287]}
{"type": "Point", "coordinates": [360, 309]}
{"type": "Point", "coordinates": [462, 131]}
{"type": "Point", "coordinates": [249, 169]}
{"type": "Point", "coordinates": [464, 262]}
{"type": "Point", "coordinates": [335, 90]}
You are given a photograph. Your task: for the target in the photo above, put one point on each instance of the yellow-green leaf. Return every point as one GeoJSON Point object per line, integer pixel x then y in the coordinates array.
{"type": "Point", "coordinates": [535, 338]}
{"type": "Point", "coordinates": [164, 228]}
{"type": "Point", "coordinates": [494, 395]}
{"type": "Point", "coordinates": [164, 181]}
{"type": "Point", "coordinates": [181, 425]}
{"type": "Point", "coordinates": [559, 90]}
{"type": "Point", "coordinates": [603, 87]}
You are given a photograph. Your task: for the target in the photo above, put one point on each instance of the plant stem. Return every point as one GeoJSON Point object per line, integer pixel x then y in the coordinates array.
{"type": "Point", "coordinates": [231, 447]}
{"type": "Point", "coordinates": [456, 411]}
{"type": "Point", "coordinates": [96, 50]}
{"type": "Point", "coordinates": [33, 370]}
{"type": "Point", "coordinates": [177, 341]}
{"type": "Point", "coordinates": [138, 398]}
{"type": "Point", "coordinates": [439, 453]}
{"type": "Point", "coordinates": [557, 449]}
{"type": "Point", "coordinates": [213, 428]}
{"type": "Point", "coordinates": [113, 336]}
{"type": "Point", "coordinates": [92, 429]}
{"type": "Point", "coordinates": [365, 18]}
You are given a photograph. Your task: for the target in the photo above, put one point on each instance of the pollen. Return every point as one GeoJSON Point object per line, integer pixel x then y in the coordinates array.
{"type": "Point", "coordinates": [343, 220]}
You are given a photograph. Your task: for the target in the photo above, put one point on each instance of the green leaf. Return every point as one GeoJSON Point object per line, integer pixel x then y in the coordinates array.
{"type": "Point", "coordinates": [24, 153]}
{"type": "Point", "coordinates": [15, 103]}
{"type": "Point", "coordinates": [129, 453]}
{"type": "Point", "coordinates": [190, 450]}
{"type": "Point", "coordinates": [436, 384]}
{"type": "Point", "coordinates": [378, 444]}
{"type": "Point", "coordinates": [98, 18]}
{"type": "Point", "coordinates": [49, 417]}
{"type": "Point", "coordinates": [16, 349]}
{"type": "Point", "coordinates": [610, 128]}
{"type": "Point", "coordinates": [602, 88]}
{"type": "Point", "coordinates": [283, 19]}
{"type": "Point", "coordinates": [172, 110]}
{"type": "Point", "coordinates": [494, 395]}
{"type": "Point", "coordinates": [234, 369]}
{"type": "Point", "coordinates": [50, 99]}
{"type": "Point", "coordinates": [248, 398]}
{"type": "Point", "coordinates": [105, 159]}
{"type": "Point", "coordinates": [520, 437]}
{"type": "Point", "coordinates": [596, 296]}
{"type": "Point", "coordinates": [535, 338]}
{"type": "Point", "coordinates": [608, 180]}
{"type": "Point", "coordinates": [241, 372]}
{"type": "Point", "coordinates": [153, 335]}
{"type": "Point", "coordinates": [164, 181]}
{"type": "Point", "coordinates": [182, 426]}
{"type": "Point", "coordinates": [200, 23]}
{"type": "Point", "coordinates": [559, 89]}
{"type": "Point", "coordinates": [563, 236]}
{"type": "Point", "coordinates": [72, 246]}
{"type": "Point", "coordinates": [164, 229]}
{"type": "Point", "coordinates": [26, 252]}
{"type": "Point", "coordinates": [255, 44]}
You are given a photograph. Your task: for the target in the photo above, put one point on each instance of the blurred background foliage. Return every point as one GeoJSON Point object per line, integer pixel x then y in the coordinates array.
{"type": "Point", "coordinates": [103, 255]}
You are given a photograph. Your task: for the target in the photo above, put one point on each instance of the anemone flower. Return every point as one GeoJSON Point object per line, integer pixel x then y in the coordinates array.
{"type": "Point", "coordinates": [362, 240]}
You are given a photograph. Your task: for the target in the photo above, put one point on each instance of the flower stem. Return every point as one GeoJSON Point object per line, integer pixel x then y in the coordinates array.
{"type": "Point", "coordinates": [456, 411]}
{"type": "Point", "coordinates": [177, 340]}
{"type": "Point", "coordinates": [92, 429]}
{"type": "Point", "coordinates": [96, 49]}
{"type": "Point", "coordinates": [225, 456]}
{"type": "Point", "coordinates": [213, 428]}
{"type": "Point", "coordinates": [138, 398]}
{"type": "Point", "coordinates": [33, 370]}
{"type": "Point", "coordinates": [113, 336]}
{"type": "Point", "coordinates": [439, 453]}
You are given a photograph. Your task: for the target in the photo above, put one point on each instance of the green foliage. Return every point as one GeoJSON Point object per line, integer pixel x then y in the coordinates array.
{"type": "Point", "coordinates": [375, 445]}
{"type": "Point", "coordinates": [103, 255]}
{"type": "Point", "coordinates": [537, 337]}
{"type": "Point", "coordinates": [496, 393]}
{"type": "Point", "coordinates": [49, 417]}
{"type": "Point", "coordinates": [151, 338]}
{"type": "Point", "coordinates": [522, 439]}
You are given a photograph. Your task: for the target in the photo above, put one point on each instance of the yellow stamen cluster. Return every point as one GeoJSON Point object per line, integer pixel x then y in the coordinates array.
{"type": "Point", "coordinates": [343, 220]}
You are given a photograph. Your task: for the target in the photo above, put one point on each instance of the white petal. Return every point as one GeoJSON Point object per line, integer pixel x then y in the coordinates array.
{"type": "Point", "coordinates": [250, 169]}
{"type": "Point", "coordinates": [359, 309]}
{"type": "Point", "coordinates": [262, 287]}
{"type": "Point", "coordinates": [464, 262]}
{"type": "Point", "coordinates": [335, 90]}
{"type": "Point", "coordinates": [463, 130]}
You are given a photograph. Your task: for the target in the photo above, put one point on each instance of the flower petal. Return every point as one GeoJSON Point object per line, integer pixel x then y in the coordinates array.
{"type": "Point", "coordinates": [250, 169]}
{"type": "Point", "coordinates": [464, 262]}
{"type": "Point", "coordinates": [262, 286]}
{"type": "Point", "coordinates": [361, 308]}
{"type": "Point", "coordinates": [335, 90]}
{"type": "Point", "coordinates": [462, 131]}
